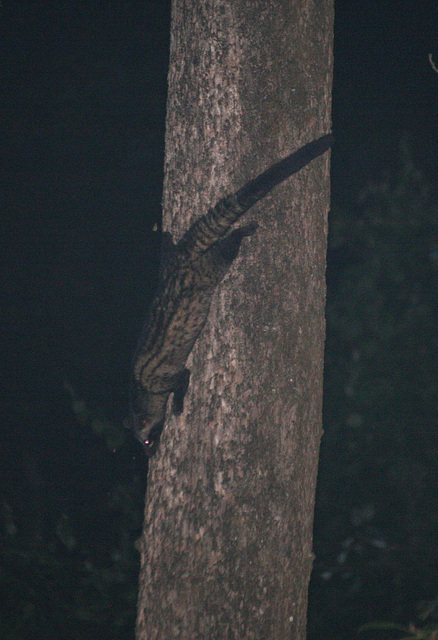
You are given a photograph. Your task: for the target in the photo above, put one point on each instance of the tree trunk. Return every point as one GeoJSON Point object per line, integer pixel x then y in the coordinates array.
{"type": "Point", "coordinates": [227, 541]}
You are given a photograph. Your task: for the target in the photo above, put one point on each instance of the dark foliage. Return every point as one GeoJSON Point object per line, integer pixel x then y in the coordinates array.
{"type": "Point", "coordinates": [376, 525]}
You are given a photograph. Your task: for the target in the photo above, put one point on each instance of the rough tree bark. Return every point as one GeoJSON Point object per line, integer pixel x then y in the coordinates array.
{"type": "Point", "coordinates": [227, 542]}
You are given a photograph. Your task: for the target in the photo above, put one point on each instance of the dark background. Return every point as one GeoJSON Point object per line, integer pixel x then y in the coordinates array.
{"type": "Point", "coordinates": [82, 111]}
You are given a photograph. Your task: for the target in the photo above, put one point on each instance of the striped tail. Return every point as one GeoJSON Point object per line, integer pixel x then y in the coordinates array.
{"type": "Point", "coordinates": [218, 220]}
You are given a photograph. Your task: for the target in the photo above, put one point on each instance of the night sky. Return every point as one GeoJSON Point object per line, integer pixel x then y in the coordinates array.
{"type": "Point", "coordinates": [82, 132]}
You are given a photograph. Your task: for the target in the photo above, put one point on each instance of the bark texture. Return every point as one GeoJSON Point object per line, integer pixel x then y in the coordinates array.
{"type": "Point", "coordinates": [227, 542]}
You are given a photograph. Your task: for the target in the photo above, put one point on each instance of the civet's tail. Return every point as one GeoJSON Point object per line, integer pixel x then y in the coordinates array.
{"type": "Point", "coordinates": [218, 220]}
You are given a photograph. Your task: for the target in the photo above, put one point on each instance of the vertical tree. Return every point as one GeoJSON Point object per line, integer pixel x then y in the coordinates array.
{"type": "Point", "coordinates": [227, 541]}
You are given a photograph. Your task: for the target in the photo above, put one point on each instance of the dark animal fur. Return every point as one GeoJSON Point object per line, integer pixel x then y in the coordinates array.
{"type": "Point", "coordinates": [190, 271]}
